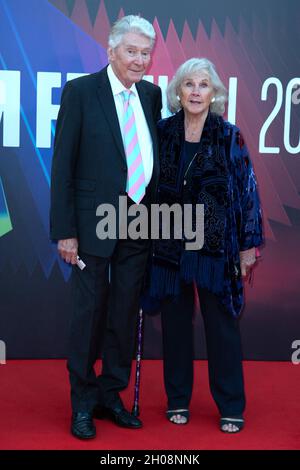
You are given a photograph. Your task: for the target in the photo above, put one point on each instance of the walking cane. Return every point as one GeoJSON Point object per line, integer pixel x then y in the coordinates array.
{"type": "Point", "coordinates": [135, 408]}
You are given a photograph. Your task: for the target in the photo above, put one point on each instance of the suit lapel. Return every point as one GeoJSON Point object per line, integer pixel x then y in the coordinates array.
{"type": "Point", "coordinates": [107, 102]}
{"type": "Point", "coordinates": [109, 109]}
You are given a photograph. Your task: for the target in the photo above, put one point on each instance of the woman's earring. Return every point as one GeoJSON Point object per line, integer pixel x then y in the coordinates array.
{"type": "Point", "coordinates": [213, 99]}
{"type": "Point", "coordinates": [178, 98]}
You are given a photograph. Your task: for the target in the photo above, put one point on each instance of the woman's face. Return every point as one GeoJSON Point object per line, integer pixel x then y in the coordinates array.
{"type": "Point", "coordinates": [196, 93]}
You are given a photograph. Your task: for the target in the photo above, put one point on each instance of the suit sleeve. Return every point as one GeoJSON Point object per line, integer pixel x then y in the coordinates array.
{"type": "Point", "coordinates": [157, 110]}
{"type": "Point", "coordinates": [251, 216]}
{"type": "Point", "coordinates": [66, 145]}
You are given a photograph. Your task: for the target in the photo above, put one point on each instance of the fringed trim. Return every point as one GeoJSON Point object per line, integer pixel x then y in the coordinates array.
{"type": "Point", "coordinates": [164, 282]}
{"type": "Point", "coordinates": [208, 272]}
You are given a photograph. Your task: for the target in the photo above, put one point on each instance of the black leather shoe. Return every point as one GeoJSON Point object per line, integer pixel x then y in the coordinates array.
{"type": "Point", "coordinates": [119, 415]}
{"type": "Point", "coordinates": [83, 426]}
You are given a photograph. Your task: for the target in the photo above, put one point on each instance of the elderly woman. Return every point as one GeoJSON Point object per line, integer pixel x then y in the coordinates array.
{"type": "Point", "coordinates": [204, 160]}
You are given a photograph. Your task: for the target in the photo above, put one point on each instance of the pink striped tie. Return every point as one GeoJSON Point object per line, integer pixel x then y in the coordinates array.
{"type": "Point", "coordinates": [135, 186]}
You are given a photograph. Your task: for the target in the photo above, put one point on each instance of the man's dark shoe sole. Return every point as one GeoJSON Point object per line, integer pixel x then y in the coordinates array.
{"type": "Point", "coordinates": [82, 436]}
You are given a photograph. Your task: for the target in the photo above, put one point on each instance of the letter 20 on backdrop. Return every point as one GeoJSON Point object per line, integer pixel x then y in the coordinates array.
{"type": "Point", "coordinates": [43, 44]}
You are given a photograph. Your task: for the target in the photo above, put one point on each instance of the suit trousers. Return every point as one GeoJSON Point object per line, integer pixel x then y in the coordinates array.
{"type": "Point", "coordinates": [106, 296]}
{"type": "Point", "coordinates": [224, 351]}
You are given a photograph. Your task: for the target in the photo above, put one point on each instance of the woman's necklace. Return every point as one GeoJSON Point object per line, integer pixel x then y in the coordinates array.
{"type": "Point", "coordinates": [192, 135]}
{"type": "Point", "coordinates": [193, 127]}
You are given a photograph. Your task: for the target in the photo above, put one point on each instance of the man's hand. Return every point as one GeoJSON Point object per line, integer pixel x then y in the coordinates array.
{"type": "Point", "coordinates": [68, 250]}
{"type": "Point", "coordinates": [247, 260]}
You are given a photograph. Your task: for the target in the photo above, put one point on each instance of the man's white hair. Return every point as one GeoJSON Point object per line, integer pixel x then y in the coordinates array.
{"type": "Point", "coordinates": [130, 24]}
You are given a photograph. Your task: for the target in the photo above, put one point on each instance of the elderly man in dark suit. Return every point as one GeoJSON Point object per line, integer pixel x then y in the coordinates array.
{"type": "Point", "coordinates": [105, 146]}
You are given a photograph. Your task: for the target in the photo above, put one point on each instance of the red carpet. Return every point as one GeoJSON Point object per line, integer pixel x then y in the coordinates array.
{"type": "Point", "coordinates": [35, 410]}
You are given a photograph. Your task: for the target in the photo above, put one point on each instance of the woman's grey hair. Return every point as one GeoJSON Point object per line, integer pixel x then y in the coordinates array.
{"type": "Point", "coordinates": [192, 66]}
{"type": "Point", "coordinates": [130, 24]}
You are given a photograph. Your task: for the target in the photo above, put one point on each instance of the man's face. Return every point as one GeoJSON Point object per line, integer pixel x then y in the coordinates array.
{"type": "Point", "coordinates": [130, 59]}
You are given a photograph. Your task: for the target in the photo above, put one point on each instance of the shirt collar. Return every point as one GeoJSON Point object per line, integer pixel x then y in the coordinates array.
{"type": "Point", "coordinates": [117, 86]}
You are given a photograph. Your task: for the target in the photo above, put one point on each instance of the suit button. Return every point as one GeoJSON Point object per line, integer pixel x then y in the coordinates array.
{"type": "Point", "coordinates": [124, 169]}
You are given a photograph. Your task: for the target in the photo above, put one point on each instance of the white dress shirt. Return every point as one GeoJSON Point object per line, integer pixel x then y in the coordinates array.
{"type": "Point", "coordinates": [144, 136]}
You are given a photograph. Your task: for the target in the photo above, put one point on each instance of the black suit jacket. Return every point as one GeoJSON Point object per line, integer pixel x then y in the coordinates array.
{"type": "Point", "coordinates": [89, 163]}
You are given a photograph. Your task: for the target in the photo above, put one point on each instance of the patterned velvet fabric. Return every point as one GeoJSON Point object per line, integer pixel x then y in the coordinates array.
{"type": "Point", "coordinates": [221, 177]}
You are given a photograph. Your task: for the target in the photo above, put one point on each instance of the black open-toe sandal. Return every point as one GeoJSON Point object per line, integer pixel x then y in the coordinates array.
{"type": "Point", "coordinates": [237, 421]}
{"type": "Point", "coordinates": [181, 412]}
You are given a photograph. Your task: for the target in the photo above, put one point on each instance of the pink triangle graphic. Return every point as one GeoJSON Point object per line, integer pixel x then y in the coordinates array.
{"type": "Point", "coordinates": [80, 16]}
{"type": "Point", "coordinates": [101, 26]}
{"type": "Point", "coordinates": [161, 62]}
{"type": "Point", "coordinates": [174, 46]}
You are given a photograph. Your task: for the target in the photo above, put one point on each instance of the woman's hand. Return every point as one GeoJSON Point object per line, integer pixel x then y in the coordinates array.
{"type": "Point", "coordinates": [247, 260]}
